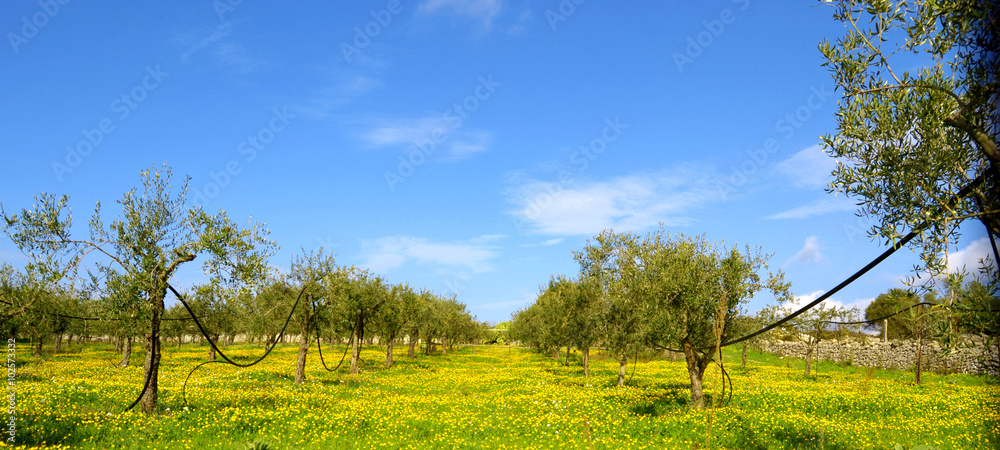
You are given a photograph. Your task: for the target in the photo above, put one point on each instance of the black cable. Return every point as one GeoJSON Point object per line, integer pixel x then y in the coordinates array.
{"type": "Point", "coordinates": [344, 356]}
{"type": "Point", "coordinates": [993, 243]}
{"type": "Point", "coordinates": [912, 234]}
{"type": "Point", "coordinates": [217, 350]}
{"type": "Point", "coordinates": [216, 347]}
{"type": "Point", "coordinates": [149, 376]}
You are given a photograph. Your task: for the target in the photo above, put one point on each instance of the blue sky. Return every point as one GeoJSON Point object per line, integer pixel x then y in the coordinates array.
{"type": "Point", "coordinates": [463, 146]}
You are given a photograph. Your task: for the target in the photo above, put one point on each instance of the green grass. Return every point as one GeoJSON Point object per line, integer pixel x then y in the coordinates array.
{"type": "Point", "coordinates": [480, 397]}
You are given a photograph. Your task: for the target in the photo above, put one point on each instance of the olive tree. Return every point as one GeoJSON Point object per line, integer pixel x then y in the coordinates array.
{"type": "Point", "coordinates": [357, 295]}
{"type": "Point", "coordinates": [691, 290]}
{"type": "Point", "coordinates": [400, 308]}
{"type": "Point", "coordinates": [908, 140]}
{"type": "Point", "coordinates": [156, 233]}
{"type": "Point", "coordinates": [309, 271]}
{"type": "Point", "coordinates": [622, 320]}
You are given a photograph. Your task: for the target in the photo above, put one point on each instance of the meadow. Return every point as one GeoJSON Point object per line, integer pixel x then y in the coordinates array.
{"type": "Point", "coordinates": [489, 397]}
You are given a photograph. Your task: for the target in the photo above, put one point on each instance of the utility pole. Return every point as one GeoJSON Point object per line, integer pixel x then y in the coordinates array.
{"type": "Point", "coordinates": [885, 330]}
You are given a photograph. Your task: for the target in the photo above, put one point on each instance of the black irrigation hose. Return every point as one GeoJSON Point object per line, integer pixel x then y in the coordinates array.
{"type": "Point", "coordinates": [320, 347]}
{"type": "Point", "coordinates": [149, 377]}
{"type": "Point", "coordinates": [878, 260]}
{"type": "Point", "coordinates": [912, 234]}
{"type": "Point", "coordinates": [993, 243]}
{"type": "Point", "coordinates": [219, 351]}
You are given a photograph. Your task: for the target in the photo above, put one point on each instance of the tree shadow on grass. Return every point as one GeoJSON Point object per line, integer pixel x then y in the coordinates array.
{"type": "Point", "coordinates": [664, 404]}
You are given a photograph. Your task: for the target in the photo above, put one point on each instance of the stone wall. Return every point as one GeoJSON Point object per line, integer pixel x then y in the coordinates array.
{"type": "Point", "coordinates": [891, 355]}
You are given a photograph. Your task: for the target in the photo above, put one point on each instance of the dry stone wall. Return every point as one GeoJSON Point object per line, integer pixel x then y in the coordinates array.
{"type": "Point", "coordinates": [893, 355]}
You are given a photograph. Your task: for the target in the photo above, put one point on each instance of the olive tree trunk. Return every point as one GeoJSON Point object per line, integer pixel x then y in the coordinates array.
{"type": "Point", "coordinates": [414, 339]}
{"type": "Point", "coordinates": [151, 368]}
{"type": "Point", "coordinates": [388, 350]}
{"type": "Point", "coordinates": [356, 348]}
{"type": "Point", "coordinates": [622, 368]}
{"type": "Point", "coordinates": [696, 365]}
{"type": "Point", "coordinates": [300, 362]}
{"type": "Point", "coordinates": [126, 352]}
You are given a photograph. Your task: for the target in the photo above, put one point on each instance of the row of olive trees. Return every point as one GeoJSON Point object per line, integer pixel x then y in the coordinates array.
{"type": "Point", "coordinates": [650, 292]}
{"type": "Point", "coordinates": [339, 303]}
{"type": "Point", "coordinates": [130, 260]}
{"type": "Point", "coordinates": [347, 302]}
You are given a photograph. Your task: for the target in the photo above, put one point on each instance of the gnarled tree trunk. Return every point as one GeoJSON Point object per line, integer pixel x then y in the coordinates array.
{"type": "Point", "coordinates": [585, 355]}
{"type": "Point", "coordinates": [696, 371]}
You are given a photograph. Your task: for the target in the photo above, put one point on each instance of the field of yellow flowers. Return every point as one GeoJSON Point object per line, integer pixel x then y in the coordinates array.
{"type": "Point", "coordinates": [488, 397]}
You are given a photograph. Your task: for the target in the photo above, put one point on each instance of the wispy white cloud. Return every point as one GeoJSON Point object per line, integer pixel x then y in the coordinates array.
{"type": "Point", "coordinates": [970, 259]}
{"type": "Point", "coordinates": [430, 134]}
{"type": "Point", "coordinates": [824, 206]}
{"type": "Point", "coordinates": [809, 168]}
{"type": "Point", "coordinates": [809, 252]}
{"type": "Point", "coordinates": [633, 202]}
{"type": "Point", "coordinates": [340, 88]}
{"type": "Point", "coordinates": [484, 11]}
{"type": "Point", "coordinates": [387, 253]}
